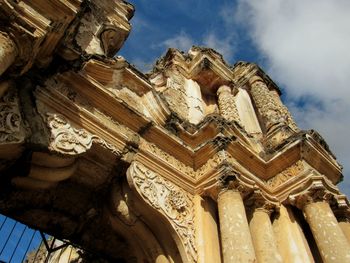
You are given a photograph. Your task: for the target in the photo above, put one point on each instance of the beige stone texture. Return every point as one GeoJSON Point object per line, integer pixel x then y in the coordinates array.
{"type": "Point", "coordinates": [195, 103]}
{"type": "Point", "coordinates": [8, 52]}
{"type": "Point", "coordinates": [290, 238]}
{"type": "Point", "coordinates": [345, 226]}
{"type": "Point", "coordinates": [129, 164]}
{"type": "Point", "coordinates": [207, 230]}
{"type": "Point", "coordinates": [246, 112]}
{"type": "Point", "coordinates": [263, 237]}
{"type": "Point", "coordinates": [330, 239]}
{"type": "Point", "coordinates": [227, 104]}
{"type": "Point", "coordinates": [236, 242]}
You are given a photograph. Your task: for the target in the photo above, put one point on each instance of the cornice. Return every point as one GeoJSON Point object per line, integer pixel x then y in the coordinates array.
{"type": "Point", "coordinates": [193, 146]}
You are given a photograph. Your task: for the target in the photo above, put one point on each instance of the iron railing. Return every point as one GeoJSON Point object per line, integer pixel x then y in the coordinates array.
{"type": "Point", "coordinates": [20, 243]}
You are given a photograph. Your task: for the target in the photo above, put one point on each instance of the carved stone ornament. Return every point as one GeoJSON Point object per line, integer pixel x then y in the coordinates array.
{"type": "Point", "coordinates": [311, 195]}
{"type": "Point", "coordinates": [227, 104]}
{"type": "Point", "coordinates": [230, 179]}
{"type": "Point", "coordinates": [290, 172]}
{"type": "Point", "coordinates": [169, 200]}
{"type": "Point", "coordinates": [11, 130]}
{"type": "Point", "coordinates": [272, 111]}
{"type": "Point", "coordinates": [66, 139]}
{"type": "Point", "coordinates": [257, 201]}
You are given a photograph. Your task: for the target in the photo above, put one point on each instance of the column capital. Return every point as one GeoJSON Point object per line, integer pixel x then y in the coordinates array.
{"type": "Point", "coordinates": [255, 79]}
{"type": "Point", "coordinates": [223, 89]}
{"type": "Point", "coordinates": [309, 196]}
{"type": "Point", "coordinates": [231, 182]}
{"type": "Point", "coordinates": [258, 202]}
{"type": "Point", "coordinates": [343, 215]}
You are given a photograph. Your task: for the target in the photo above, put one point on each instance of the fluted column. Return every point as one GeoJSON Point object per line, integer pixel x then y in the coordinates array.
{"type": "Point", "coordinates": [237, 245]}
{"type": "Point", "coordinates": [271, 109]}
{"type": "Point", "coordinates": [8, 52]}
{"type": "Point", "coordinates": [262, 232]}
{"type": "Point", "coordinates": [330, 239]}
{"type": "Point", "coordinates": [227, 104]}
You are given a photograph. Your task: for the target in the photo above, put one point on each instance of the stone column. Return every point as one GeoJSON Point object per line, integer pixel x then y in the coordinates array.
{"type": "Point", "coordinates": [236, 242]}
{"type": "Point", "coordinates": [290, 238]}
{"type": "Point", "coordinates": [330, 239]}
{"type": "Point", "coordinates": [345, 227]}
{"type": "Point", "coordinates": [271, 109]}
{"type": "Point", "coordinates": [8, 52]}
{"type": "Point", "coordinates": [262, 232]}
{"type": "Point", "coordinates": [343, 216]}
{"type": "Point", "coordinates": [227, 104]}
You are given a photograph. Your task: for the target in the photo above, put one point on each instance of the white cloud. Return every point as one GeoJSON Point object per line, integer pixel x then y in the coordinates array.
{"type": "Point", "coordinates": [182, 42]}
{"type": "Point", "coordinates": [225, 47]}
{"type": "Point", "coordinates": [306, 45]}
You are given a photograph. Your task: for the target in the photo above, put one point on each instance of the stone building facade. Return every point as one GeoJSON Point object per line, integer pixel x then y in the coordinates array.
{"type": "Point", "coordinates": [196, 161]}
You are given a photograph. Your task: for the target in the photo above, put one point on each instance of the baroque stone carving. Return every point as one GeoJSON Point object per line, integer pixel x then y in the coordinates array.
{"type": "Point", "coordinates": [11, 130]}
{"type": "Point", "coordinates": [231, 180]}
{"type": "Point", "coordinates": [168, 199]}
{"type": "Point", "coordinates": [284, 176]}
{"type": "Point", "coordinates": [169, 159]}
{"type": "Point", "coordinates": [311, 195]}
{"type": "Point", "coordinates": [227, 104]}
{"type": "Point", "coordinates": [272, 110]}
{"type": "Point", "coordinates": [66, 139]}
{"type": "Point", "coordinates": [258, 201]}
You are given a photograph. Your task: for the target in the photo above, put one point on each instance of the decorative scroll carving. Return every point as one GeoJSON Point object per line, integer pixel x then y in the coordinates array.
{"type": "Point", "coordinates": [169, 159]}
{"type": "Point", "coordinates": [284, 176]}
{"type": "Point", "coordinates": [257, 201]}
{"type": "Point", "coordinates": [270, 108]}
{"type": "Point", "coordinates": [311, 195]}
{"type": "Point", "coordinates": [69, 140]}
{"type": "Point", "coordinates": [231, 180]}
{"type": "Point", "coordinates": [170, 200]}
{"type": "Point", "coordinates": [227, 104]}
{"type": "Point", "coordinates": [11, 130]}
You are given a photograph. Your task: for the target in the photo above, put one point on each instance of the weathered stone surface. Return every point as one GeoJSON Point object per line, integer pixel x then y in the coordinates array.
{"type": "Point", "coordinates": [131, 165]}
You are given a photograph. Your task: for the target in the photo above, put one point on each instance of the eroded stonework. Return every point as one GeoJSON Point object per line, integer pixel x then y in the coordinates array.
{"type": "Point", "coordinates": [195, 161]}
{"type": "Point", "coordinates": [168, 199]}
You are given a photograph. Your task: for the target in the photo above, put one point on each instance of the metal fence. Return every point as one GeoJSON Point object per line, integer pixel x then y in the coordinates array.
{"type": "Point", "coordinates": [19, 243]}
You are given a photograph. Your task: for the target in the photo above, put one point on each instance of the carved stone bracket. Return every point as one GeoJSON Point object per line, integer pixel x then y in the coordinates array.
{"type": "Point", "coordinates": [169, 200]}
{"type": "Point", "coordinates": [66, 139]}
{"type": "Point", "coordinates": [315, 193]}
{"type": "Point", "coordinates": [257, 201]}
{"type": "Point", "coordinates": [11, 125]}
{"type": "Point", "coordinates": [230, 179]}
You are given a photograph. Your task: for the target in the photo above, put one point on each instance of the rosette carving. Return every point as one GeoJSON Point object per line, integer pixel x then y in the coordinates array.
{"type": "Point", "coordinates": [169, 200]}
{"type": "Point", "coordinates": [67, 139]}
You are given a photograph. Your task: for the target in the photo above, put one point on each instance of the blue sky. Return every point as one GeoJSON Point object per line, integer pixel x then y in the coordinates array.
{"type": "Point", "coordinates": [301, 44]}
